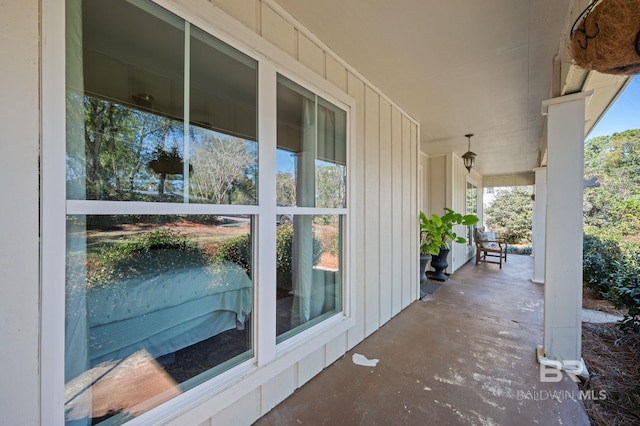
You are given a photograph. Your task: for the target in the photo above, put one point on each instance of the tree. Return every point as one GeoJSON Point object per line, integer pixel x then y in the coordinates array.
{"type": "Point", "coordinates": [118, 143]}
{"type": "Point", "coordinates": [510, 215]}
{"type": "Point", "coordinates": [286, 189]}
{"type": "Point", "coordinates": [221, 164]}
{"type": "Point", "coordinates": [331, 185]}
{"type": "Point", "coordinates": [614, 160]}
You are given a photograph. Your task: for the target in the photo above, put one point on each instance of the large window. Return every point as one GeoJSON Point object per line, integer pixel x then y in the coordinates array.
{"type": "Point", "coordinates": [163, 222]}
{"type": "Point", "coordinates": [311, 174]}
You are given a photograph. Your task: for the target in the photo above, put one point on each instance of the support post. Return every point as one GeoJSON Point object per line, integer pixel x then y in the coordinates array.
{"type": "Point", "coordinates": [563, 236]}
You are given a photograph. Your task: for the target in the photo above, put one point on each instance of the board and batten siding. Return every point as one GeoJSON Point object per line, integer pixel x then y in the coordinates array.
{"type": "Point", "coordinates": [445, 185]}
{"type": "Point", "coordinates": [385, 213]}
{"type": "Point", "coordinates": [20, 231]}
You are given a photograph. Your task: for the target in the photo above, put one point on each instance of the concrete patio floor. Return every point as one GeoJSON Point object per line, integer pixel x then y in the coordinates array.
{"type": "Point", "coordinates": [464, 355]}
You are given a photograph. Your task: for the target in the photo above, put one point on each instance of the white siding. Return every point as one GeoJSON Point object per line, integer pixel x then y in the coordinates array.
{"type": "Point", "coordinates": [371, 235]}
{"type": "Point", "coordinates": [437, 189]}
{"type": "Point", "coordinates": [385, 205]}
{"type": "Point", "coordinates": [459, 253]}
{"type": "Point", "coordinates": [397, 213]}
{"type": "Point", "coordinates": [19, 262]}
{"type": "Point", "coordinates": [356, 89]}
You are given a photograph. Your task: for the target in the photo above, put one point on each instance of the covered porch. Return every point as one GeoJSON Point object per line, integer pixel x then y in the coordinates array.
{"type": "Point", "coordinates": [465, 354]}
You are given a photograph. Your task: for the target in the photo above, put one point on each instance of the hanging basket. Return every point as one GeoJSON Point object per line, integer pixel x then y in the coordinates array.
{"type": "Point", "coordinates": [168, 167]}
{"type": "Point", "coordinates": [606, 37]}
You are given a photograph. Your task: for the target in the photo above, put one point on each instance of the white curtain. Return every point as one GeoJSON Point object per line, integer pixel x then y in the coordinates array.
{"type": "Point", "coordinates": [318, 137]}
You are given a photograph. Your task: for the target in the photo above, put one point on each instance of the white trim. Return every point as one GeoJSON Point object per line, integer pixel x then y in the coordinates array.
{"type": "Point", "coordinates": [97, 207]}
{"type": "Point", "coordinates": [307, 211]}
{"type": "Point", "coordinates": [52, 216]}
{"type": "Point", "coordinates": [186, 110]}
{"type": "Point", "coordinates": [265, 304]}
{"type": "Point", "coordinates": [566, 98]}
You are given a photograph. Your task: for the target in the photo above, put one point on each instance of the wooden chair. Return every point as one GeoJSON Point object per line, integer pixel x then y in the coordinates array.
{"type": "Point", "coordinates": [489, 248]}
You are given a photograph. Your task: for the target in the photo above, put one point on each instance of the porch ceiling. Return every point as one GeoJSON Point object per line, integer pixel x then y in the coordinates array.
{"type": "Point", "coordinates": [461, 67]}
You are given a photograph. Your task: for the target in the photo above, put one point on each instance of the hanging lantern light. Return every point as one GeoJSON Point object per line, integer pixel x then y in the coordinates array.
{"type": "Point", "coordinates": [469, 157]}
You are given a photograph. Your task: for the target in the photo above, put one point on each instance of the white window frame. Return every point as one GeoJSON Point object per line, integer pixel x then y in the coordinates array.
{"type": "Point", "coordinates": [268, 359]}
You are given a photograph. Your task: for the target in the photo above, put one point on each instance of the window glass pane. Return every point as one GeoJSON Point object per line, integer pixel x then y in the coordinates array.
{"type": "Point", "coordinates": [223, 112]}
{"type": "Point", "coordinates": [311, 157]}
{"type": "Point", "coordinates": [309, 272]}
{"type": "Point", "coordinates": [471, 208]}
{"type": "Point", "coordinates": [164, 301]}
{"type": "Point", "coordinates": [127, 79]}
{"type": "Point", "coordinates": [126, 133]}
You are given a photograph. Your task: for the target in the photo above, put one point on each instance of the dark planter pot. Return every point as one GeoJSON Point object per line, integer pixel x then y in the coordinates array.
{"type": "Point", "coordinates": [439, 264]}
{"type": "Point", "coordinates": [424, 261]}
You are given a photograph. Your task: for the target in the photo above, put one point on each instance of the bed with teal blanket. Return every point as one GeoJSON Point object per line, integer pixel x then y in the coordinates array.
{"type": "Point", "coordinates": [166, 312]}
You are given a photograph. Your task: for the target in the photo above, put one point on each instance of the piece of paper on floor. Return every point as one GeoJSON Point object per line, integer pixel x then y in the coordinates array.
{"type": "Point", "coordinates": [362, 360]}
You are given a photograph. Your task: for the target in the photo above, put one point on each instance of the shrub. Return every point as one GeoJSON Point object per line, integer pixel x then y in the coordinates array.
{"type": "Point", "coordinates": [238, 250]}
{"type": "Point", "coordinates": [284, 248]}
{"type": "Point", "coordinates": [601, 264]}
{"type": "Point", "coordinates": [626, 294]}
{"type": "Point", "coordinates": [137, 256]}
{"type": "Point", "coordinates": [613, 270]}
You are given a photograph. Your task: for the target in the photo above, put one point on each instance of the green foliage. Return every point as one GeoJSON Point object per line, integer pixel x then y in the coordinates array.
{"type": "Point", "coordinates": [118, 144]}
{"type": "Point", "coordinates": [284, 249]}
{"type": "Point", "coordinates": [238, 250]}
{"type": "Point", "coordinates": [612, 217]}
{"type": "Point", "coordinates": [510, 214]}
{"type": "Point", "coordinates": [626, 295]}
{"type": "Point", "coordinates": [615, 161]}
{"type": "Point", "coordinates": [627, 213]}
{"type": "Point", "coordinates": [601, 260]}
{"type": "Point", "coordinates": [437, 231]}
{"type": "Point", "coordinates": [152, 252]}
{"type": "Point", "coordinates": [613, 270]}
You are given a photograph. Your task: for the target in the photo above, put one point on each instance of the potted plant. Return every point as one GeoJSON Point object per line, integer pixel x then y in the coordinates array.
{"type": "Point", "coordinates": [437, 232]}
{"type": "Point", "coordinates": [428, 245]}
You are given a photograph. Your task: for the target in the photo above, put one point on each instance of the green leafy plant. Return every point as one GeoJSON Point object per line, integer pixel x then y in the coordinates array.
{"type": "Point", "coordinates": [437, 231]}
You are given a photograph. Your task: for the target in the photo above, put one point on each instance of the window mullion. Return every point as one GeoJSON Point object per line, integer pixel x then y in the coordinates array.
{"type": "Point", "coordinates": [265, 289]}
{"type": "Point", "coordinates": [187, 93]}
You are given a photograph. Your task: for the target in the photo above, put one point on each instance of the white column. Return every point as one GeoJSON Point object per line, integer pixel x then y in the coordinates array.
{"type": "Point", "coordinates": [539, 224]}
{"type": "Point", "coordinates": [563, 249]}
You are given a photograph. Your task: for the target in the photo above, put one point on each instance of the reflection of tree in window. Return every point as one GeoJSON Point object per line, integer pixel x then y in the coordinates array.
{"type": "Point", "coordinates": [286, 189]}
{"type": "Point", "coordinates": [223, 167]}
{"type": "Point", "coordinates": [330, 185]}
{"type": "Point", "coordinates": [119, 143]}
